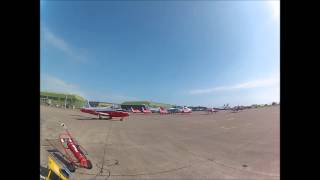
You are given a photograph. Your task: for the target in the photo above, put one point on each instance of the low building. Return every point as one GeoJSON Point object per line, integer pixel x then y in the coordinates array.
{"type": "Point", "coordinates": [62, 100]}
{"type": "Point", "coordinates": [198, 108]}
{"type": "Point", "coordinates": [142, 104]}
{"type": "Point", "coordinates": [100, 104]}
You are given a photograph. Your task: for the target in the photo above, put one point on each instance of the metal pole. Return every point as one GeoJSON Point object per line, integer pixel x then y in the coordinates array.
{"type": "Point", "coordinates": [65, 102]}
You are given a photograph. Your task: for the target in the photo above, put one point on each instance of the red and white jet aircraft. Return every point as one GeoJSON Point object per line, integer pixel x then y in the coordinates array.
{"type": "Point", "coordinates": [146, 110]}
{"type": "Point", "coordinates": [135, 110]}
{"type": "Point", "coordinates": [105, 111]}
{"type": "Point", "coordinates": [163, 111]}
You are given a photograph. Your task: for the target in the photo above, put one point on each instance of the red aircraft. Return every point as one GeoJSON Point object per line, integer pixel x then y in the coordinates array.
{"type": "Point", "coordinates": [105, 111]}
{"type": "Point", "coordinates": [163, 111]}
{"type": "Point", "coordinates": [146, 110]}
{"type": "Point", "coordinates": [135, 110]}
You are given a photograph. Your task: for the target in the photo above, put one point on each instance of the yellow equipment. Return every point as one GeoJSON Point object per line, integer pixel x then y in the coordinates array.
{"type": "Point", "coordinates": [57, 170]}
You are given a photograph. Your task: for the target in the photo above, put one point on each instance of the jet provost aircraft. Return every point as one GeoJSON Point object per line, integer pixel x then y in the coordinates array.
{"type": "Point", "coordinates": [110, 111]}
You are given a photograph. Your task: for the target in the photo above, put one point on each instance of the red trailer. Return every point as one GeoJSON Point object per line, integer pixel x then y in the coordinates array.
{"type": "Point", "coordinates": [75, 153]}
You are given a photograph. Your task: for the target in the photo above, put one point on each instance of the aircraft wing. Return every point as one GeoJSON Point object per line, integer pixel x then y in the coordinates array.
{"type": "Point", "coordinates": [102, 114]}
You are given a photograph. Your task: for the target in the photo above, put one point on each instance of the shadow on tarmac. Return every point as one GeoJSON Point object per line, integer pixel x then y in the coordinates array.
{"type": "Point", "coordinates": [43, 171]}
{"type": "Point", "coordinates": [96, 119]}
{"type": "Point", "coordinates": [85, 118]}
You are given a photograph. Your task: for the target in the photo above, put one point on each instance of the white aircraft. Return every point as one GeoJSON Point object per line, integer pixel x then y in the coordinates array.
{"type": "Point", "coordinates": [184, 109]}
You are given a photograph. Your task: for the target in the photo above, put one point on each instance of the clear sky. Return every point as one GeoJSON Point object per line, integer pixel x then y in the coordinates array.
{"type": "Point", "coordinates": [185, 52]}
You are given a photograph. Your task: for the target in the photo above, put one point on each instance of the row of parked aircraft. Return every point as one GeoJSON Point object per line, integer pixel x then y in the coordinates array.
{"type": "Point", "coordinates": [113, 111]}
{"type": "Point", "coordinates": [162, 110]}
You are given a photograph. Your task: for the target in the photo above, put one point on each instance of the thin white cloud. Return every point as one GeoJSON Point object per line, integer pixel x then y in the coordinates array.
{"type": "Point", "coordinates": [272, 81]}
{"type": "Point", "coordinates": [57, 42]}
{"type": "Point", "coordinates": [120, 98]}
{"type": "Point", "coordinates": [54, 84]}
{"type": "Point", "coordinates": [111, 97]}
{"type": "Point", "coordinates": [274, 6]}
{"type": "Point", "coordinates": [62, 45]}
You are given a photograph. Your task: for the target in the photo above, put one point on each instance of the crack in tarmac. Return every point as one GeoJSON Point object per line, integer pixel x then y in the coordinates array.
{"type": "Point", "coordinates": [100, 172]}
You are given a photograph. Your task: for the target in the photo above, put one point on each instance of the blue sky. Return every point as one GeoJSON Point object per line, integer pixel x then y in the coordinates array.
{"type": "Point", "coordinates": [184, 52]}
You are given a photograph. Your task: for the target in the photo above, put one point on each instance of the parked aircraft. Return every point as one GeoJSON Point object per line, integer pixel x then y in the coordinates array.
{"type": "Point", "coordinates": [163, 111]}
{"type": "Point", "coordinates": [212, 110]}
{"type": "Point", "coordinates": [154, 109]}
{"type": "Point", "coordinates": [146, 110]}
{"type": "Point", "coordinates": [135, 110]}
{"type": "Point", "coordinates": [184, 109]}
{"type": "Point", "coordinates": [110, 111]}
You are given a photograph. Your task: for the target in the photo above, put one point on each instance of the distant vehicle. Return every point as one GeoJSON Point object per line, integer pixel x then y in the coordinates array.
{"type": "Point", "coordinates": [109, 111]}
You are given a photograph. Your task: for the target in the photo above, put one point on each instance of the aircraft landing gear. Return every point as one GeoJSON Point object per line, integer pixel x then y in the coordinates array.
{"type": "Point", "coordinates": [89, 164]}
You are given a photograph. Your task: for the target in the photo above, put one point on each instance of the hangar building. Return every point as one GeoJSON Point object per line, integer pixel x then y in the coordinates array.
{"type": "Point", "coordinates": [145, 104]}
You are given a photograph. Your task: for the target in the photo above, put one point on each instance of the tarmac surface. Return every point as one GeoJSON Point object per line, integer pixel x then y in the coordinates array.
{"type": "Point", "coordinates": [222, 145]}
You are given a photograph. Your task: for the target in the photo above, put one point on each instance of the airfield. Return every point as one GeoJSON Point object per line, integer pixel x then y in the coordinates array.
{"type": "Point", "coordinates": [225, 145]}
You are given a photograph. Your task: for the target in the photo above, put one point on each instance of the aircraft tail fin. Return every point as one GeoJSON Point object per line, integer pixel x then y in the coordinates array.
{"type": "Point", "coordinates": [88, 104]}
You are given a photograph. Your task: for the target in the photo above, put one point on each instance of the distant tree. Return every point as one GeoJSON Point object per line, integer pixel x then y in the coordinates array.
{"type": "Point", "coordinates": [274, 103]}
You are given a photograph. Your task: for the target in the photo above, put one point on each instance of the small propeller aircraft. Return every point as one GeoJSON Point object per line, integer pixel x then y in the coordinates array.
{"type": "Point", "coordinates": [182, 110]}
{"type": "Point", "coordinates": [110, 112]}
{"type": "Point", "coordinates": [154, 109]}
{"type": "Point", "coordinates": [185, 109]}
